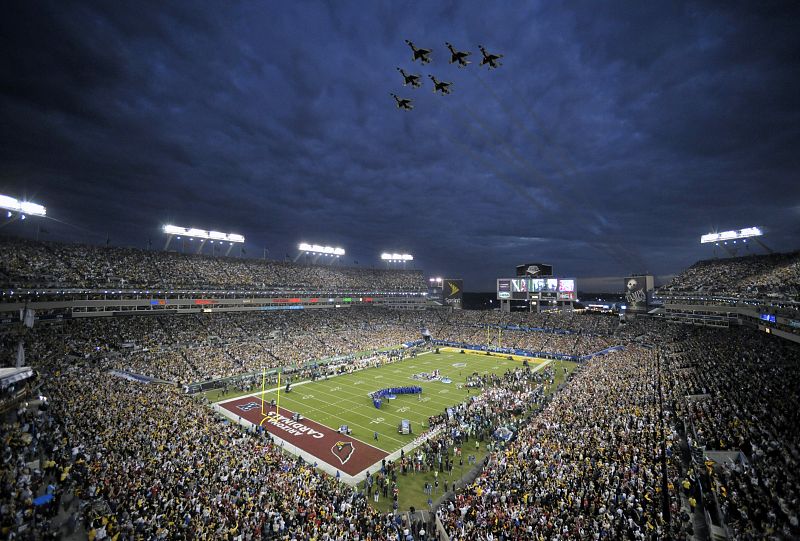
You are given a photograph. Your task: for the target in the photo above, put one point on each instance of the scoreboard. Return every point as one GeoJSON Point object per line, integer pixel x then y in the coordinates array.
{"type": "Point", "coordinates": [562, 289]}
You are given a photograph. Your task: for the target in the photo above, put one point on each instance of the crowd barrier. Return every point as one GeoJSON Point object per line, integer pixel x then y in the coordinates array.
{"type": "Point", "coordinates": [508, 351]}
{"type": "Point", "coordinates": [527, 353]}
{"type": "Point", "coordinates": [601, 352]}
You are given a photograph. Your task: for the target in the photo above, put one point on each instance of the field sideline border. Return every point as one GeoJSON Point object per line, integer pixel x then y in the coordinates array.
{"type": "Point", "coordinates": [311, 459]}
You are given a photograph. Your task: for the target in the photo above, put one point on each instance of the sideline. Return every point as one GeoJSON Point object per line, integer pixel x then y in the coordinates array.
{"type": "Point", "coordinates": [316, 461]}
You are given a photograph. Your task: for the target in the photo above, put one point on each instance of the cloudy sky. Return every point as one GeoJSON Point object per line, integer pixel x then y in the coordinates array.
{"type": "Point", "coordinates": [612, 137]}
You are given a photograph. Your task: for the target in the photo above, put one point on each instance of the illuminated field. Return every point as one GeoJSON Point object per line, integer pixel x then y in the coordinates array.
{"type": "Point", "coordinates": [344, 400]}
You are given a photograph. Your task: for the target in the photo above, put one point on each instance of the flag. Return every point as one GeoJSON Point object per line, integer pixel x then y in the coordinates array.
{"type": "Point", "coordinates": [29, 318]}
{"type": "Point", "coordinates": [244, 252]}
{"type": "Point", "coordinates": [20, 355]}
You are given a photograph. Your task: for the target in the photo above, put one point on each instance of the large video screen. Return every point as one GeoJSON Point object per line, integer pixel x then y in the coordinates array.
{"type": "Point", "coordinates": [551, 288]}
{"type": "Point", "coordinates": [636, 293]}
{"type": "Point", "coordinates": [504, 289]}
{"type": "Point", "coordinates": [519, 288]}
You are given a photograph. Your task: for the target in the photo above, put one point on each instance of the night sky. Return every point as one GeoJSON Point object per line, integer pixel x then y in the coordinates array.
{"type": "Point", "coordinates": [611, 138]}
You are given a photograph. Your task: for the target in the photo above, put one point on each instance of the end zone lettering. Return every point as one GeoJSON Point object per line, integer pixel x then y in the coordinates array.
{"type": "Point", "coordinates": [295, 428]}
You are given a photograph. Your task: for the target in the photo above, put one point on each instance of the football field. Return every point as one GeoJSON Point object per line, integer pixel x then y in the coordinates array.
{"type": "Point", "coordinates": [345, 400]}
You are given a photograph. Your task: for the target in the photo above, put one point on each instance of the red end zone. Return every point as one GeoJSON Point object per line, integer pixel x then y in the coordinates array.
{"type": "Point", "coordinates": [344, 453]}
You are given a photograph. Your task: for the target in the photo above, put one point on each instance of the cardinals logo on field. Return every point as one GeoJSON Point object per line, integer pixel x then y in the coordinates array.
{"type": "Point", "coordinates": [343, 450]}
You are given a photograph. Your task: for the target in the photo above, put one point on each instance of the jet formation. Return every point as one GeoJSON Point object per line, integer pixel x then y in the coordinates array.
{"type": "Point", "coordinates": [409, 78]}
{"type": "Point", "coordinates": [459, 57]}
{"type": "Point", "coordinates": [402, 103]}
{"type": "Point", "coordinates": [490, 59]}
{"type": "Point", "coordinates": [439, 86]}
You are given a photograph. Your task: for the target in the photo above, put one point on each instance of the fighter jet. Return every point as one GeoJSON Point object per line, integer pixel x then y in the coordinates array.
{"type": "Point", "coordinates": [422, 54]}
{"type": "Point", "coordinates": [402, 103]}
{"type": "Point", "coordinates": [409, 79]}
{"type": "Point", "coordinates": [440, 86]}
{"type": "Point", "coordinates": [458, 56]}
{"type": "Point", "coordinates": [490, 59]}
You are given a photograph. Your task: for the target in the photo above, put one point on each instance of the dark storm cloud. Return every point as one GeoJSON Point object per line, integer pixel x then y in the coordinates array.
{"type": "Point", "coordinates": [611, 138]}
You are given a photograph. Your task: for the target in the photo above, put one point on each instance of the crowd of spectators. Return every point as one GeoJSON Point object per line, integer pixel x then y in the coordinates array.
{"type": "Point", "coordinates": [502, 400]}
{"type": "Point", "coordinates": [735, 389]}
{"type": "Point", "coordinates": [599, 460]}
{"type": "Point", "coordinates": [190, 348]}
{"type": "Point", "coordinates": [198, 347]}
{"type": "Point", "coordinates": [589, 466]}
{"type": "Point", "coordinates": [146, 461]}
{"type": "Point", "coordinates": [771, 274]}
{"type": "Point", "coordinates": [51, 265]}
{"type": "Point", "coordinates": [548, 332]}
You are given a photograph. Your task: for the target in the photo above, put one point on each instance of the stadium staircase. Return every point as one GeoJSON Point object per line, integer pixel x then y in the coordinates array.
{"type": "Point", "coordinates": [576, 342]}
{"type": "Point", "coordinates": [701, 519]}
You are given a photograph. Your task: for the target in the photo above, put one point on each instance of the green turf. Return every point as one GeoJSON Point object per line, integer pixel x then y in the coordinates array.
{"type": "Point", "coordinates": [344, 400]}
{"type": "Point", "coordinates": [411, 485]}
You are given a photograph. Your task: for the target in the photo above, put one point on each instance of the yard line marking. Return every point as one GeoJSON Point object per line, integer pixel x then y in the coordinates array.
{"type": "Point", "coordinates": [360, 401]}
{"type": "Point", "coordinates": [348, 422]}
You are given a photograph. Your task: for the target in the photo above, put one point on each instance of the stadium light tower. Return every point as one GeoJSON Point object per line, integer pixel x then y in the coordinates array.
{"type": "Point", "coordinates": [203, 235]}
{"type": "Point", "coordinates": [317, 251]}
{"type": "Point", "coordinates": [390, 258]}
{"type": "Point", "coordinates": [19, 210]}
{"type": "Point", "coordinates": [729, 240]}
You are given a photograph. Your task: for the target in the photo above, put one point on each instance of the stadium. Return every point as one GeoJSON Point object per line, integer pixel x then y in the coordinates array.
{"type": "Point", "coordinates": [201, 385]}
{"type": "Point", "coordinates": [223, 324]}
